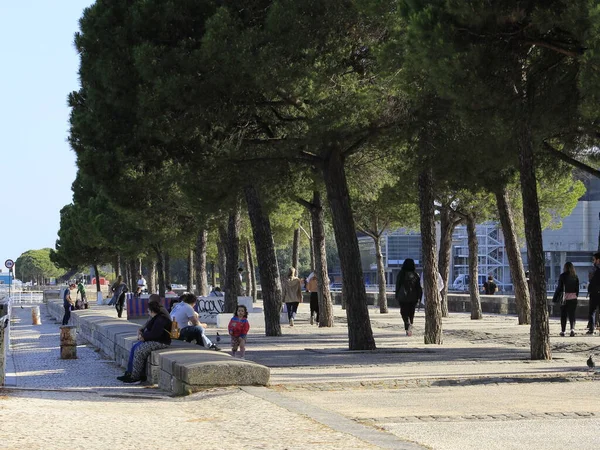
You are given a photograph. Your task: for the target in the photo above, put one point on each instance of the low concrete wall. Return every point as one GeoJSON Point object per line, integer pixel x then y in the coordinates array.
{"type": "Point", "coordinates": [182, 368]}
{"type": "Point", "coordinates": [492, 304]}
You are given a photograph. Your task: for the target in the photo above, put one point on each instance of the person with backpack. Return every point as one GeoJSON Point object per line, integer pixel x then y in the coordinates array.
{"type": "Point", "coordinates": [408, 293]}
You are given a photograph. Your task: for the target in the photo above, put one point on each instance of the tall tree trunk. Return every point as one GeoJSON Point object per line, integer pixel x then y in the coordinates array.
{"type": "Point", "coordinates": [515, 262]}
{"type": "Point", "coordinates": [213, 274]}
{"type": "Point", "coordinates": [539, 333]}
{"type": "Point", "coordinates": [251, 271]}
{"type": "Point", "coordinates": [167, 258]}
{"type": "Point", "coordinates": [312, 247]}
{"type": "Point", "coordinates": [151, 263]}
{"type": "Point", "coordinates": [160, 270]}
{"type": "Point", "coordinates": [200, 264]}
{"type": "Point", "coordinates": [222, 250]}
{"type": "Point", "coordinates": [248, 290]}
{"type": "Point", "coordinates": [132, 280]}
{"type": "Point", "coordinates": [117, 263]}
{"type": "Point", "coordinates": [190, 274]}
{"type": "Point", "coordinates": [98, 288]}
{"type": "Point", "coordinates": [433, 310]}
{"type": "Point", "coordinates": [233, 255]}
{"type": "Point", "coordinates": [360, 333]}
{"type": "Point", "coordinates": [139, 269]}
{"type": "Point", "coordinates": [382, 297]}
{"type": "Point", "coordinates": [296, 250]}
{"type": "Point", "coordinates": [447, 225]}
{"type": "Point", "coordinates": [124, 269]}
{"type": "Point", "coordinates": [473, 268]}
{"type": "Point", "coordinates": [320, 268]}
{"type": "Point", "coordinates": [267, 261]}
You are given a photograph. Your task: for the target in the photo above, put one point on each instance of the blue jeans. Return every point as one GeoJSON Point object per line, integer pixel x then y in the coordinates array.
{"type": "Point", "coordinates": [194, 332]}
{"type": "Point", "coordinates": [131, 353]}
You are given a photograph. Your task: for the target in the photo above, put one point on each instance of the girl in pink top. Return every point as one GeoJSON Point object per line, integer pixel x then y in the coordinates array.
{"type": "Point", "coordinates": [238, 330]}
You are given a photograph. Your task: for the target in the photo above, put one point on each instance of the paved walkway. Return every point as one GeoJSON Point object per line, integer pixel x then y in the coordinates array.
{"type": "Point", "coordinates": [477, 391]}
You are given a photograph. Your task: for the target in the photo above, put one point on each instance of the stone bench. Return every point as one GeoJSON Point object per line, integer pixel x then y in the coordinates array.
{"type": "Point", "coordinates": [181, 369]}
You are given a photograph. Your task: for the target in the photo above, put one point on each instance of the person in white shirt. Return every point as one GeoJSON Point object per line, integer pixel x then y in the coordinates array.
{"type": "Point", "coordinates": [440, 286]}
{"type": "Point", "coordinates": [189, 325]}
{"type": "Point", "coordinates": [142, 283]}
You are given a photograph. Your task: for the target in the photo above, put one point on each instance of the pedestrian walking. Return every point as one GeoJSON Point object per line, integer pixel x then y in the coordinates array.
{"type": "Point", "coordinates": [292, 294]}
{"type": "Point", "coordinates": [594, 293]}
{"type": "Point", "coordinates": [119, 289]}
{"type": "Point", "coordinates": [408, 293]}
{"type": "Point", "coordinates": [566, 294]}
{"type": "Point", "coordinates": [82, 303]}
{"type": "Point", "coordinates": [312, 286]}
{"type": "Point", "coordinates": [238, 330]}
{"type": "Point", "coordinates": [68, 303]}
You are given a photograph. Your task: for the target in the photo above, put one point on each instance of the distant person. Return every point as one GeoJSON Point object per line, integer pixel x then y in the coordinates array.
{"type": "Point", "coordinates": [154, 335]}
{"type": "Point", "coordinates": [489, 287]}
{"type": "Point", "coordinates": [594, 293]}
{"type": "Point", "coordinates": [119, 289]}
{"type": "Point", "coordinates": [141, 282]}
{"type": "Point", "coordinates": [68, 303]}
{"type": "Point", "coordinates": [238, 330]}
{"type": "Point", "coordinates": [190, 327]}
{"type": "Point", "coordinates": [567, 290]}
{"type": "Point", "coordinates": [292, 294]}
{"type": "Point", "coordinates": [83, 304]}
{"type": "Point", "coordinates": [408, 293]}
{"type": "Point", "coordinates": [216, 292]}
{"type": "Point", "coordinates": [440, 287]}
{"type": "Point", "coordinates": [312, 286]}
{"type": "Point", "coordinates": [241, 281]}
{"type": "Point", "coordinates": [170, 290]}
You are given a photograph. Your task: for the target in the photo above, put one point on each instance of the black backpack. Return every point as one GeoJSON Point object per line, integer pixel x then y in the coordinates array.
{"type": "Point", "coordinates": [410, 291]}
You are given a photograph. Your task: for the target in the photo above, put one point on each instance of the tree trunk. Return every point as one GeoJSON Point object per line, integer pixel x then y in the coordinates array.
{"type": "Point", "coordinates": [222, 250]}
{"type": "Point", "coordinates": [151, 275]}
{"type": "Point", "coordinates": [433, 310]}
{"type": "Point", "coordinates": [447, 224]}
{"type": "Point", "coordinates": [160, 269]}
{"type": "Point", "coordinates": [213, 274]}
{"type": "Point", "coordinates": [98, 288]}
{"type": "Point", "coordinates": [473, 268]}
{"type": "Point", "coordinates": [296, 250]}
{"type": "Point", "coordinates": [251, 271]}
{"type": "Point", "coordinates": [360, 333]}
{"type": "Point", "coordinates": [539, 333]}
{"type": "Point", "coordinates": [167, 269]}
{"type": "Point", "coordinates": [190, 274]}
{"type": "Point", "coordinates": [233, 255]}
{"type": "Point", "coordinates": [200, 264]}
{"type": "Point", "coordinates": [117, 263]}
{"type": "Point", "coordinates": [312, 247]}
{"type": "Point", "coordinates": [139, 261]}
{"type": "Point", "coordinates": [124, 269]}
{"type": "Point", "coordinates": [267, 261]}
{"type": "Point", "coordinates": [382, 297]}
{"type": "Point", "coordinates": [248, 290]}
{"type": "Point", "coordinates": [320, 268]}
{"type": "Point", "coordinates": [132, 281]}
{"type": "Point", "coordinates": [515, 262]}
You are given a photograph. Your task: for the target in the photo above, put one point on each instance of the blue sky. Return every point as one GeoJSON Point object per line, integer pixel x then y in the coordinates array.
{"type": "Point", "coordinates": [37, 166]}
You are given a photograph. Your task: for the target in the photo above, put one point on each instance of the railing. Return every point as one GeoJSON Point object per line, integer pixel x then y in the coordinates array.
{"type": "Point", "coordinates": [22, 297]}
{"type": "Point", "coordinates": [4, 345]}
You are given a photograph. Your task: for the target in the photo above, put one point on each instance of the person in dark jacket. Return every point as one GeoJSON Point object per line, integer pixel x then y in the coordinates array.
{"type": "Point", "coordinates": [594, 293]}
{"type": "Point", "coordinates": [408, 293]}
{"type": "Point", "coordinates": [154, 335]}
{"type": "Point", "coordinates": [568, 282]}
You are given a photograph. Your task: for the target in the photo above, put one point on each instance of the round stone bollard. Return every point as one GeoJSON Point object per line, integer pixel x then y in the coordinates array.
{"type": "Point", "coordinates": [68, 342]}
{"type": "Point", "coordinates": [36, 319]}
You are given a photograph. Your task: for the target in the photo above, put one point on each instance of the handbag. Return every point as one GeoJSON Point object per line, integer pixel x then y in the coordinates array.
{"type": "Point", "coordinates": [559, 297]}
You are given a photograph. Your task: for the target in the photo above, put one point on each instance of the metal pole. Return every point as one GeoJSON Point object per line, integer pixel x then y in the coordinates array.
{"type": "Point", "coordinates": [10, 271]}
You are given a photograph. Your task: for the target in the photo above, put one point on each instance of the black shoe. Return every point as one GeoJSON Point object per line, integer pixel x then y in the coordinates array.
{"type": "Point", "coordinates": [589, 332]}
{"type": "Point", "coordinates": [125, 377]}
{"type": "Point", "coordinates": [214, 347]}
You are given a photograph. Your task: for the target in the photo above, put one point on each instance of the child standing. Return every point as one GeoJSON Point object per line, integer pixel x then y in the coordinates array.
{"type": "Point", "coordinates": [238, 330]}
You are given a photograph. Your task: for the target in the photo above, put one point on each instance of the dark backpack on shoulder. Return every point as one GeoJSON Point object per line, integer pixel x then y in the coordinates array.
{"type": "Point", "coordinates": [410, 291]}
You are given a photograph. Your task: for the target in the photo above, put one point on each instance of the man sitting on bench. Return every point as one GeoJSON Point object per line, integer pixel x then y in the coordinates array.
{"type": "Point", "coordinates": [190, 327]}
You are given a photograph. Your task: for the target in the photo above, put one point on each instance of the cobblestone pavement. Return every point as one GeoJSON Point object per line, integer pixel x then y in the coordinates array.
{"type": "Point", "coordinates": [477, 391]}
